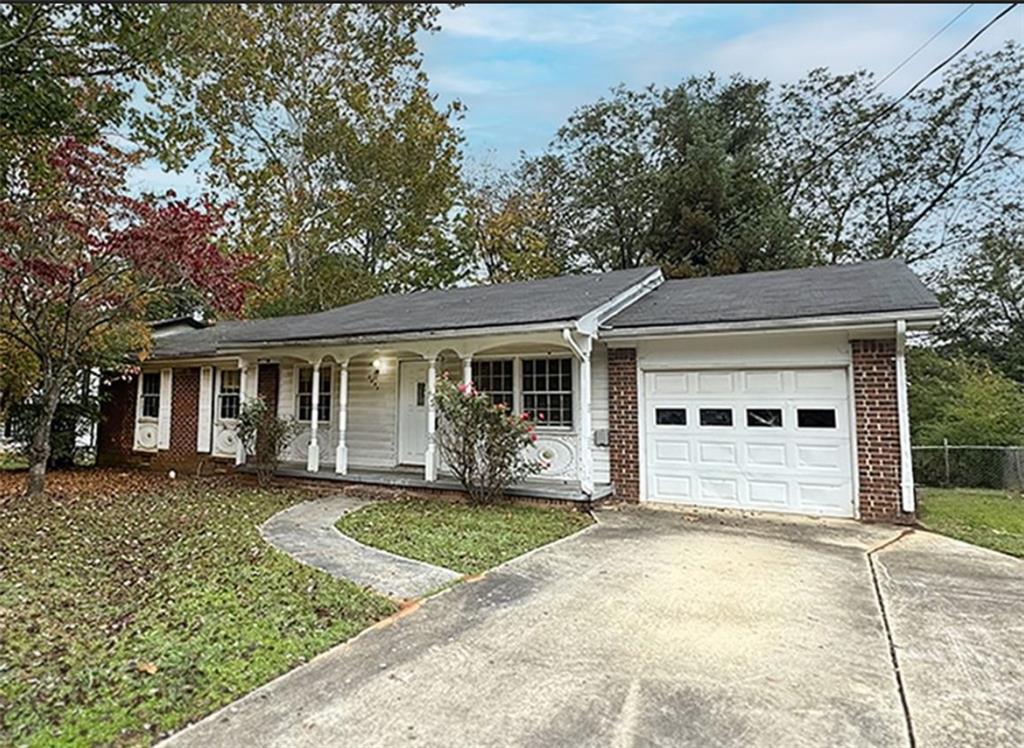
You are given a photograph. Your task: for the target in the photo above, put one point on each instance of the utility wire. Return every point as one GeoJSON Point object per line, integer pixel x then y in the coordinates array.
{"type": "Point", "coordinates": [918, 51]}
{"type": "Point", "coordinates": [886, 111]}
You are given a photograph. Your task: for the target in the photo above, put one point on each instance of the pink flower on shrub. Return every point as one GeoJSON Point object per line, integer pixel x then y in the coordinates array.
{"type": "Point", "coordinates": [540, 416]}
{"type": "Point", "coordinates": [462, 389]}
{"type": "Point", "coordinates": [524, 416]}
{"type": "Point", "coordinates": [533, 437]}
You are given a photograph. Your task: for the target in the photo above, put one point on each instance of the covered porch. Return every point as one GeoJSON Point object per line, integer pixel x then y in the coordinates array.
{"type": "Point", "coordinates": [366, 413]}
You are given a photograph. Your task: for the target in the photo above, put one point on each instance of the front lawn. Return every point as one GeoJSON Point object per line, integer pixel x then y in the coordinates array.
{"type": "Point", "coordinates": [467, 539]}
{"type": "Point", "coordinates": [993, 519]}
{"type": "Point", "coordinates": [130, 606]}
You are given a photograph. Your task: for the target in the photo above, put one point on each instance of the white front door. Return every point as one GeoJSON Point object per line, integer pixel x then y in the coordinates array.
{"type": "Point", "coordinates": [412, 412]}
{"type": "Point", "coordinates": [769, 439]}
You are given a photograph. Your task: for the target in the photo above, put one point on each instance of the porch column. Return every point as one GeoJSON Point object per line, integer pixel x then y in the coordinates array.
{"type": "Point", "coordinates": [467, 370]}
{"type": "Point", "coordinates": [341, 456]}
{"type": "Point", "coordinates": [313, 454]}
{"type": "Point", "coordinates": [586, 464]}
{"type": "Point", "coordinates": [243, 390]}
{"type": "Point", "coordinates": [430, 457]}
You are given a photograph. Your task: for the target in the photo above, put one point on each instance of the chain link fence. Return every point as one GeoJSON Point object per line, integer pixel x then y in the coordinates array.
{"type": "Point", "coordinates": [970, 466]}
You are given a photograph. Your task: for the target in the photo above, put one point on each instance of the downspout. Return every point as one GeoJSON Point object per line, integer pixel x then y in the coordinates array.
{"type": "Point", "coordinates": [903, 418]}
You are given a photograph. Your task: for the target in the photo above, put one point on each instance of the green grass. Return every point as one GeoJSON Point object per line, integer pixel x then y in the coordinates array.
{"type": "Point", "coordinates": [993, 519]}
{"type": "Point", "coordinates": [467, 539]}
{"type": "Point", "coordinates": [97, 587]}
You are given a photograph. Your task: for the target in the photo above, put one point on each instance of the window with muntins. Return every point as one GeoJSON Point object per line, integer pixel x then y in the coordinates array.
{"type": "Point", "coordinates": [495, 378]}
{"type": "Point", "coordinates": [547, 390]}
{"type": "Point", "coordinates": [230, 396]}
{"type": "Point", "coordinates": [304, 408]}
{"type": "Point", "coordinates": [151, 395]}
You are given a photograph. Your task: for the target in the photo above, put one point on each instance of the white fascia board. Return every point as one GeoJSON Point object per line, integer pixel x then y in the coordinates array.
{"type": "Point", "coordinates": [923, 319]}
{"type": "Point", "coordinates": [467, 332]}
{"type": "Point", "coordinates": [590, 322]}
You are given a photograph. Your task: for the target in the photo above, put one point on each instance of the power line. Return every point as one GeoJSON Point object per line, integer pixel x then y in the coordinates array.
{"type": "Point", "coordinates": [917, 51]}
{"type": "Point", "coordinates": [885, 112]}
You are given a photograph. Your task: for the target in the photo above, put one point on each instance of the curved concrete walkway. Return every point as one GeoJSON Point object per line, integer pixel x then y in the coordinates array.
{"type": "Point", "coordinates": [306, 532]}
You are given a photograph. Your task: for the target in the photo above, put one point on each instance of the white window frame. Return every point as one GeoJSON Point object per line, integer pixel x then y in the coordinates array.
{"type": "Point", "coordinates": [222, 395]}
{"type": "Point", "coordinates": [143, 396]}
{"type": "Point", "coordinates": [326, 392]}
{"type": "Point", "coordinates": [517, 386]}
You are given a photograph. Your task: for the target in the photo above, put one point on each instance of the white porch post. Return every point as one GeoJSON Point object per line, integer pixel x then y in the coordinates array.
{"type": "Point", "coordinates": [243, 370]}
{"type": "Point", "coordinates": [430, 457]}
{"type": "Point", "coordinates": [341, 456]}
{"type": "Point", "coordinates": [313, 454]}
{"type": "Point", "coordinates": [467, 369]}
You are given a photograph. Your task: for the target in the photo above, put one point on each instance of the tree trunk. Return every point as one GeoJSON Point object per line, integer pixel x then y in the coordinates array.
{"type": "Point", "coordinates": [39, 449]}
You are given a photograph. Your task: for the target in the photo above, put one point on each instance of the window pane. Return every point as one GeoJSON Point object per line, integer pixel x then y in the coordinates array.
{"type": "Point", "coordinates": [764, 418]}
{"type": "Point", "coordinates": [151, 395]}
{"type": "Point", "coordinates": [716, 417]}
{"type": "Point", "coordinates": [230, 380]}
{"type": "Point", "coordinates": [670, 416]}
{"type": "Point", "coordinates": [495, 379]}
{"type": "Point", "coordinates": [151, 384]}
{"type": "Point", "coordinates": [810, 418]}
{"type": "Point", "coordinates": [229, 406]}
{"type": "Point", "coordinates": [547, 390]}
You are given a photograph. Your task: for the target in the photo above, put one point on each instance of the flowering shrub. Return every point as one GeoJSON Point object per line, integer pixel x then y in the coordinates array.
{"type": "Point", "coordinates": [484, 445]}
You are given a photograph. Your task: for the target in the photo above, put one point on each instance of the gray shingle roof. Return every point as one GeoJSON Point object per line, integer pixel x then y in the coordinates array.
{"type": "Point", "coordinates": [564, 298]}
{"type": "Point", "coordinates": [862, 288]}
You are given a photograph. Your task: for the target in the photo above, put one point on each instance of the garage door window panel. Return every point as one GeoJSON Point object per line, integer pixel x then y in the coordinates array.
{"type": "Point", "coordinates": [816, 418]}
{"type": "Point", "coordinates": [670, 416]}
{"type": "Point", "coordinates": [716, 416]}
{"type": "Point", "coordinates": [764, 418]}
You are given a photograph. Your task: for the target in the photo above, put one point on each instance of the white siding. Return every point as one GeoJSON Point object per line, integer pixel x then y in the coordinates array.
{"type": "Point", "coordinates": [599, 409]}
{"type": "Point", "coordinates": [164, 421]}
{"type": "Point", "coordinates": [784, 349]}
{"type": "Point", "coordinates": [372, 412]}
{"type": "Point", "coordinates": [203, 419]}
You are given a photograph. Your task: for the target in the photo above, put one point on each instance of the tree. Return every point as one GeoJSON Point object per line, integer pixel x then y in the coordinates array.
{"type": "Point", "coordinates": [874, 178]}
{"type": "Point", "coordinates": [983, 296]}
{"type": "Point", "coordinates": [962, 400]}
{"type": "Point", "coordinates": [318, 122]}
{"type": "Point", "coordinates": [80, 260]}
{"type": "Point", "coordinates": [68, 69]}
{"type": "Point", "coordinates": [504, 229]}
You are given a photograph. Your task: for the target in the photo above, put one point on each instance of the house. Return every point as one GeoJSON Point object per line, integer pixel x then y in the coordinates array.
{"type": "Point", "coordinates": [781, 391]}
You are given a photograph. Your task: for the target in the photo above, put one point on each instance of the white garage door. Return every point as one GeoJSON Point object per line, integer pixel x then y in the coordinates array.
{"type": "Point", "coordinates": [767, 439]}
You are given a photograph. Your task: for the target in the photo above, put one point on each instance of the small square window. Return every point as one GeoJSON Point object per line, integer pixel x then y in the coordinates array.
{"type": "Point", "coordinates": [811, 418]}
{"type": "Point", "coordinates": [764, 418]}
{"type": "Point", "coordinates": [716, 416]}
{"type": "Point", "coordinates": [670, 416]}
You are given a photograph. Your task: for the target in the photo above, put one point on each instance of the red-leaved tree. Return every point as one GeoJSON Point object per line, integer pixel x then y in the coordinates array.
{"type": "Point", "coordinates": [80, 262]}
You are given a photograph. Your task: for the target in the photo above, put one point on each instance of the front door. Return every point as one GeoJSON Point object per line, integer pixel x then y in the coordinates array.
{"type": "Point", "coordinates": [412, 412]}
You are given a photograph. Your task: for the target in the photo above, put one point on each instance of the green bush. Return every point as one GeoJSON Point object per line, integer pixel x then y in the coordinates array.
{"type": "Point", "coordinates": [265, 435]}
{"type": "Point", "coordinates": [484, 445]}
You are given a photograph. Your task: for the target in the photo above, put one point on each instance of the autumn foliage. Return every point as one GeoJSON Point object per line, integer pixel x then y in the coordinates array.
{"type": "Point", "coordinates": [81, 260]}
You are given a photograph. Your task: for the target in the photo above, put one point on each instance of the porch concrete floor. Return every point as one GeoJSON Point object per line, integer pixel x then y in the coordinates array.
{"type": "Point", "coordinates": [412, 477]}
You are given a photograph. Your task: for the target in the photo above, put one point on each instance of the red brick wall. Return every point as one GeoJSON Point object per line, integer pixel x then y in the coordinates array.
{"type": "Point", "coordinates": [623, 433]}
{"type": "Point", "coordinates": [267, 385]}
{"type": "Point", "coordinates": [878, 437]}
{"type": "Point", "coordinates": [184, 421]}
{"type": "Point", "coordinates": [115, 432]}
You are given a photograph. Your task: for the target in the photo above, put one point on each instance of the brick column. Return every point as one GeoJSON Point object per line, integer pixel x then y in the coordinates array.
{"type": "Point", "coordinates": [878, 438]}
{"type": "Point", "coordinates": [184, 419]}
{"type": "Point", "coordinates": [266, 386]}
{"type": "Point", "coordinates": [624, 444]}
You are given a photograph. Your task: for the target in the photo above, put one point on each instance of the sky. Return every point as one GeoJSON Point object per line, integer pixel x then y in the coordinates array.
{"type": "Point", "coordinates": [520, 70]}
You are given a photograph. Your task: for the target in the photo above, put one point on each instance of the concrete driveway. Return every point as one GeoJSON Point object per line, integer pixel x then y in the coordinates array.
{"type": "Point", "coordinates": [659, 628]}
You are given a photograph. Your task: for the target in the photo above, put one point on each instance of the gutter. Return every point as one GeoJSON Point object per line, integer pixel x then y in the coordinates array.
{"type": "Point", "coordinates": [915, 319]}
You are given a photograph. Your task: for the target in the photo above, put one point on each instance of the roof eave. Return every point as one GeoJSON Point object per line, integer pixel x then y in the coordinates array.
{"type": "Point", "coordinates": [917, 319]}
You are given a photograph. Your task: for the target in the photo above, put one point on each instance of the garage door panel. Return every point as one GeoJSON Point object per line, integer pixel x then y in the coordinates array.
{"type": "Point", "coordinates": [765, 455]}
{"type": "Point", "coordinates": [725, 490]}
{"type": "Point", "coordinates": [673, 488]}
{"type": "Point", "coordinates": [822, 456]}
{"type": "Point", "coordinates": [768, 493]}
{"type": "Point", "coordinates": [668, 451]}
{"type": "Point", "coordinates": [770, 462]}
{"type": "Point", "coordinates": [717, 453]}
